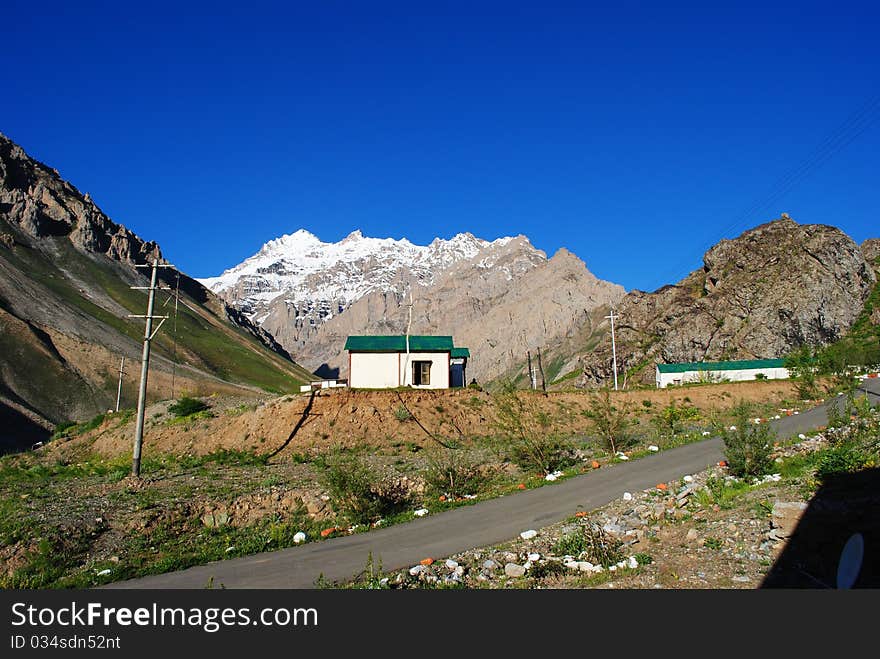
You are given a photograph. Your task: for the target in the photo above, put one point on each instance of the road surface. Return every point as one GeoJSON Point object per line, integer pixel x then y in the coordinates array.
{"type": "Point", "coordinates": [486, 523]}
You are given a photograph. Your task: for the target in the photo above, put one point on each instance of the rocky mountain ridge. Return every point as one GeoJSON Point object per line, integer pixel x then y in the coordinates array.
{"type": "Point", "coordinates": [66, 278]}
{"type": "Point", "coordinates": [773, 288]}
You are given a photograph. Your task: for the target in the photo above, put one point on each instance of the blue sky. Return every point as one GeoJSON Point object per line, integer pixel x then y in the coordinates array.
{"type": "Point", "coordinates": [636, 135]}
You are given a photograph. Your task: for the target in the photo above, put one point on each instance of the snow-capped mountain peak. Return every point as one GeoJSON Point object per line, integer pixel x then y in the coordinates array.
{"type": "Point", "coordinates": [307, 272]}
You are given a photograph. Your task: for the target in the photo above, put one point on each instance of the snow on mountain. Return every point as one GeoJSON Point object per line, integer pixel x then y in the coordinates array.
{"type": "Point", "coordinates": [328, 277]}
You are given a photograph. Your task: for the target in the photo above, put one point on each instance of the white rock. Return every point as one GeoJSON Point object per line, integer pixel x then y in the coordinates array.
{"type": "Point", "coordinates": [706, 433]}
{"type": "Point", "coordinates": [459, 571]}
{"type": "Point", "coordinates": [571, 565]}
{"type": "Point", "coordinates": [325, 497]}
{"type": "Point", "coordinates": [757, 421]}
{"type": "Point", "coordinates": [612, 568]}
{"type": "Point", "coordinates": [621, 564]}
{"type": "Point", "coordinates": [550, 477]}
{"type": "Point", "coordinates": [802, 436]}
{"type": "Point", "coordinates": [299, 537]}
{"type": "Point", "coordinates": [451, 564]}
{"type": "Point", "coordinates": [632, 563]}
{"type": "Point", "coordinates": [103, 573]}
{"type": "Point", "coordinates": [469, 496]}
{"type": "Point", "coordinates": [598, 568]}
{"type": "Point", "coordinates": [421, 512]}
{"type": "Point", "coordinates": [527, 565]}
{"type": "Point", "coordinates": [733, 427]}
{"type": "Point", "coordinates": [514, 570]}
{"type": "Point", "coordinates": [528, 535]}
{"type": "Point", "coordinates": [534, 557]}
{"type": "Point", "coordinates": [229, 549]}
{"type": "Point", "coordinates": [416, 570]}
{"type": "Point", "coordinates": [796, 412]}
{"type": "Point", "coordinates": [627, 496]}
{"type": "Point", "coordinates": [777, 417]}
{"type": "Point", "coordinates": [584, 566]}
{"type": "Point", "coordinates": [688, 479]}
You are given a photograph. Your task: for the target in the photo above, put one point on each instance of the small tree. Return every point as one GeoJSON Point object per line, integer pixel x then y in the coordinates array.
{"type": "Point", "coordinates": [357, 491]}
{"type": "Point", "coordinates": [526, 432]}
{"type": "Point", "coordinates": [609, 421]}
{"type": "Point", "coordinates": [672, 418]}
{"type": "Point", "coordinates": [748, 446]}
{"type": "Point", "coordinates": [803, 367]}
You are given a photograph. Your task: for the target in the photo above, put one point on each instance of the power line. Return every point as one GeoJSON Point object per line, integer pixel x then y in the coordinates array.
{"type": "Point", "coordinates": [149, 333]}
{"type": "Point", "coordinates": [841, 137]}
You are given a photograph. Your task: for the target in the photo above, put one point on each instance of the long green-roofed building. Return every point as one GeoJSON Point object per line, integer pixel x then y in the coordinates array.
{"type": "Point", "coordinates": [731, 371]}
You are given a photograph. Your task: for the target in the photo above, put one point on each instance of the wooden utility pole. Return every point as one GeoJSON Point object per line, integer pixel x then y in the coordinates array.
{"type": "Point", "coordinates": [541, 369]}
{"type": "Point", "coordinates": [145, 363]}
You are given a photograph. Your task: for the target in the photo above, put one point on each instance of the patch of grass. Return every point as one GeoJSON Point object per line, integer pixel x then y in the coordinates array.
{"type": "Point", "coordinates": [187, 406]}
{"type": "Point", "coordinates": [713, 543]}
{"type": "Point", "coordinates": [402, 414]}
{"type": "Point", "coordinates": [725, 493]}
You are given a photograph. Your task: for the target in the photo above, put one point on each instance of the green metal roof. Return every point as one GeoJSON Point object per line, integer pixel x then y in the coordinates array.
{"type": "Point", "coordinates": [720, 366]}
{"type": "Point", "coordinates": [458, 353]}
{"type": "Point", "coordinates": [398, 343]}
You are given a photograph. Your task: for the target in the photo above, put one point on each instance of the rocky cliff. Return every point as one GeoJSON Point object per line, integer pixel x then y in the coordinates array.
{"type": "Point", "coordinates": [777, 286]}
{"type": "Point", "coordinates": [66, 272]}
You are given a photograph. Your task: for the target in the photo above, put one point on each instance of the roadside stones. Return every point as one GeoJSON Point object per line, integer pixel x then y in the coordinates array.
{"type": "Point", "coordinates": [489, 565]}
{"type": "Point", "coordinates": [627, 496]}
{"type": "Point", "coordinates": [653, 448]}
{"type": "Point", "coordinates": [553, 476]}
{"type": "Point", "coordinates": [528, 535]}
{"type": "Point", "coordinates": [534, 558]}
{"type": "Point", "coordinates": [514, 570]}
{"type": "Point", "coordinates": [421, 512]}
{"type": "Point", "coordinates": [451, 564]}
{"type": "Point", "coordinates": [416, 570]}
{"type": "Point", "coordinates": [692, 535]}
{"type": "Point", "coordinates": [299, 537]}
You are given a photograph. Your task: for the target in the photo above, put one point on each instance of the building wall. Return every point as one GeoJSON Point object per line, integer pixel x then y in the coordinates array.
{"type": "Point", "coordinates": [373, 370]}
{"type": "Point", "coordinates": [665, 379]}
{"type": "Point", "coordinates": [439, 369]}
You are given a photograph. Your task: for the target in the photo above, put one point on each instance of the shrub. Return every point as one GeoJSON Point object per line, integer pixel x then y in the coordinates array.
{"type": "Point", "coordinates": [357, 491]}
{"type": "Point", "coordinates": [748, 447]}
{"type": "Point", "coordinates": [802, 365]}
{"type": "Point", "coordinates": [673, 417]}
{"type": "Point", "coordinates": [591, 543]}
{"type": "Point", "coordinates": [186, 406]}
{"type": "Point", "coordinates": [402, 414]}
{"type": "Point", "coordinates": [525, 435]}
{"type": "Point", "coordinates": [843, 459]}
{"type": "Point", "coordinates": [450, 473]}
{"type": "Point", "coordinates": [610, 422]}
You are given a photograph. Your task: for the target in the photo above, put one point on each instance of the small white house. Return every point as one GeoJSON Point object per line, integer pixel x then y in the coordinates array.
{"type": "Point", "coordinates": [735, 371]}
{"type": "Point", "coordinates": [423, 362]}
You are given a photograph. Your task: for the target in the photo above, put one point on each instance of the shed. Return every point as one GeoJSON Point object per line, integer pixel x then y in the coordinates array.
{"type": "Point", "coordinates": [378, 362]}
{"type": "Point", "coordinates": [732, 371]}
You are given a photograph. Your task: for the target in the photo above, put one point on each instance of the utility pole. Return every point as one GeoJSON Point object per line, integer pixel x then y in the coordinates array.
{"type": "Point", "coordinates": [541, 369]}
{"type": "Point", "coordinates": [613, 348]}
{"type": "Point", "coordinates": [532, 379]}
{"type": "Point", "coordinates": [119, 389]}
{"type": "Point", "coordinates": [145, 362]}
{"type": "Point", "coordinates": [408, 328]}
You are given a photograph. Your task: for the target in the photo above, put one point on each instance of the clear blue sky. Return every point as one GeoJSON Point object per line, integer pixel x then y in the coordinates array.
{"type": "Point", "coordinates": [635, 135]}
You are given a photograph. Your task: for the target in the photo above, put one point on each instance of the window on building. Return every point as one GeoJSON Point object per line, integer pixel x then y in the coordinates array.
{"type": "Point", "coordinates": [421, 373]}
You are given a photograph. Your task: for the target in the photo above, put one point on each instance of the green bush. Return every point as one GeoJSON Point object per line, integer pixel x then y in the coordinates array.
{"type": "Point", "coordinates": [673, 418]}
{"type": "Point", "coordinates": [187, 406]}
{"type": "Point", "coordinates": [593, 544]}
{"type": "Point", "coordinates": [610, 422]}
{"type": "Point", "coordinates": [748, 447]}
{"type": "Point", "coordinates": [452, 474]}
{"type": "Point", "coordinates": [402, 414]}
{"type": "Point", "coordinates": [842, 459]}
{"type": "Point", "coordinates": [357, 491]}
{"type": "Point", "coordinates": [525, 433]}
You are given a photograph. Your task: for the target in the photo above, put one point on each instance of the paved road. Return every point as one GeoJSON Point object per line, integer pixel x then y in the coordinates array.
{"type": "Point", "coordinates": [487, 523]}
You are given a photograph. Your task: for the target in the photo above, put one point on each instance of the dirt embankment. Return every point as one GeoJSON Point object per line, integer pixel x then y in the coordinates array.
{"type": "Point", "coordinates": [295, 424]}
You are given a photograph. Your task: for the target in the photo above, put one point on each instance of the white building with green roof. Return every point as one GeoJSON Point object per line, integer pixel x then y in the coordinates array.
{"type": "Point", "coordinates": [732, 371]}
{"type": "Point", "coordinates": [422, 362]}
